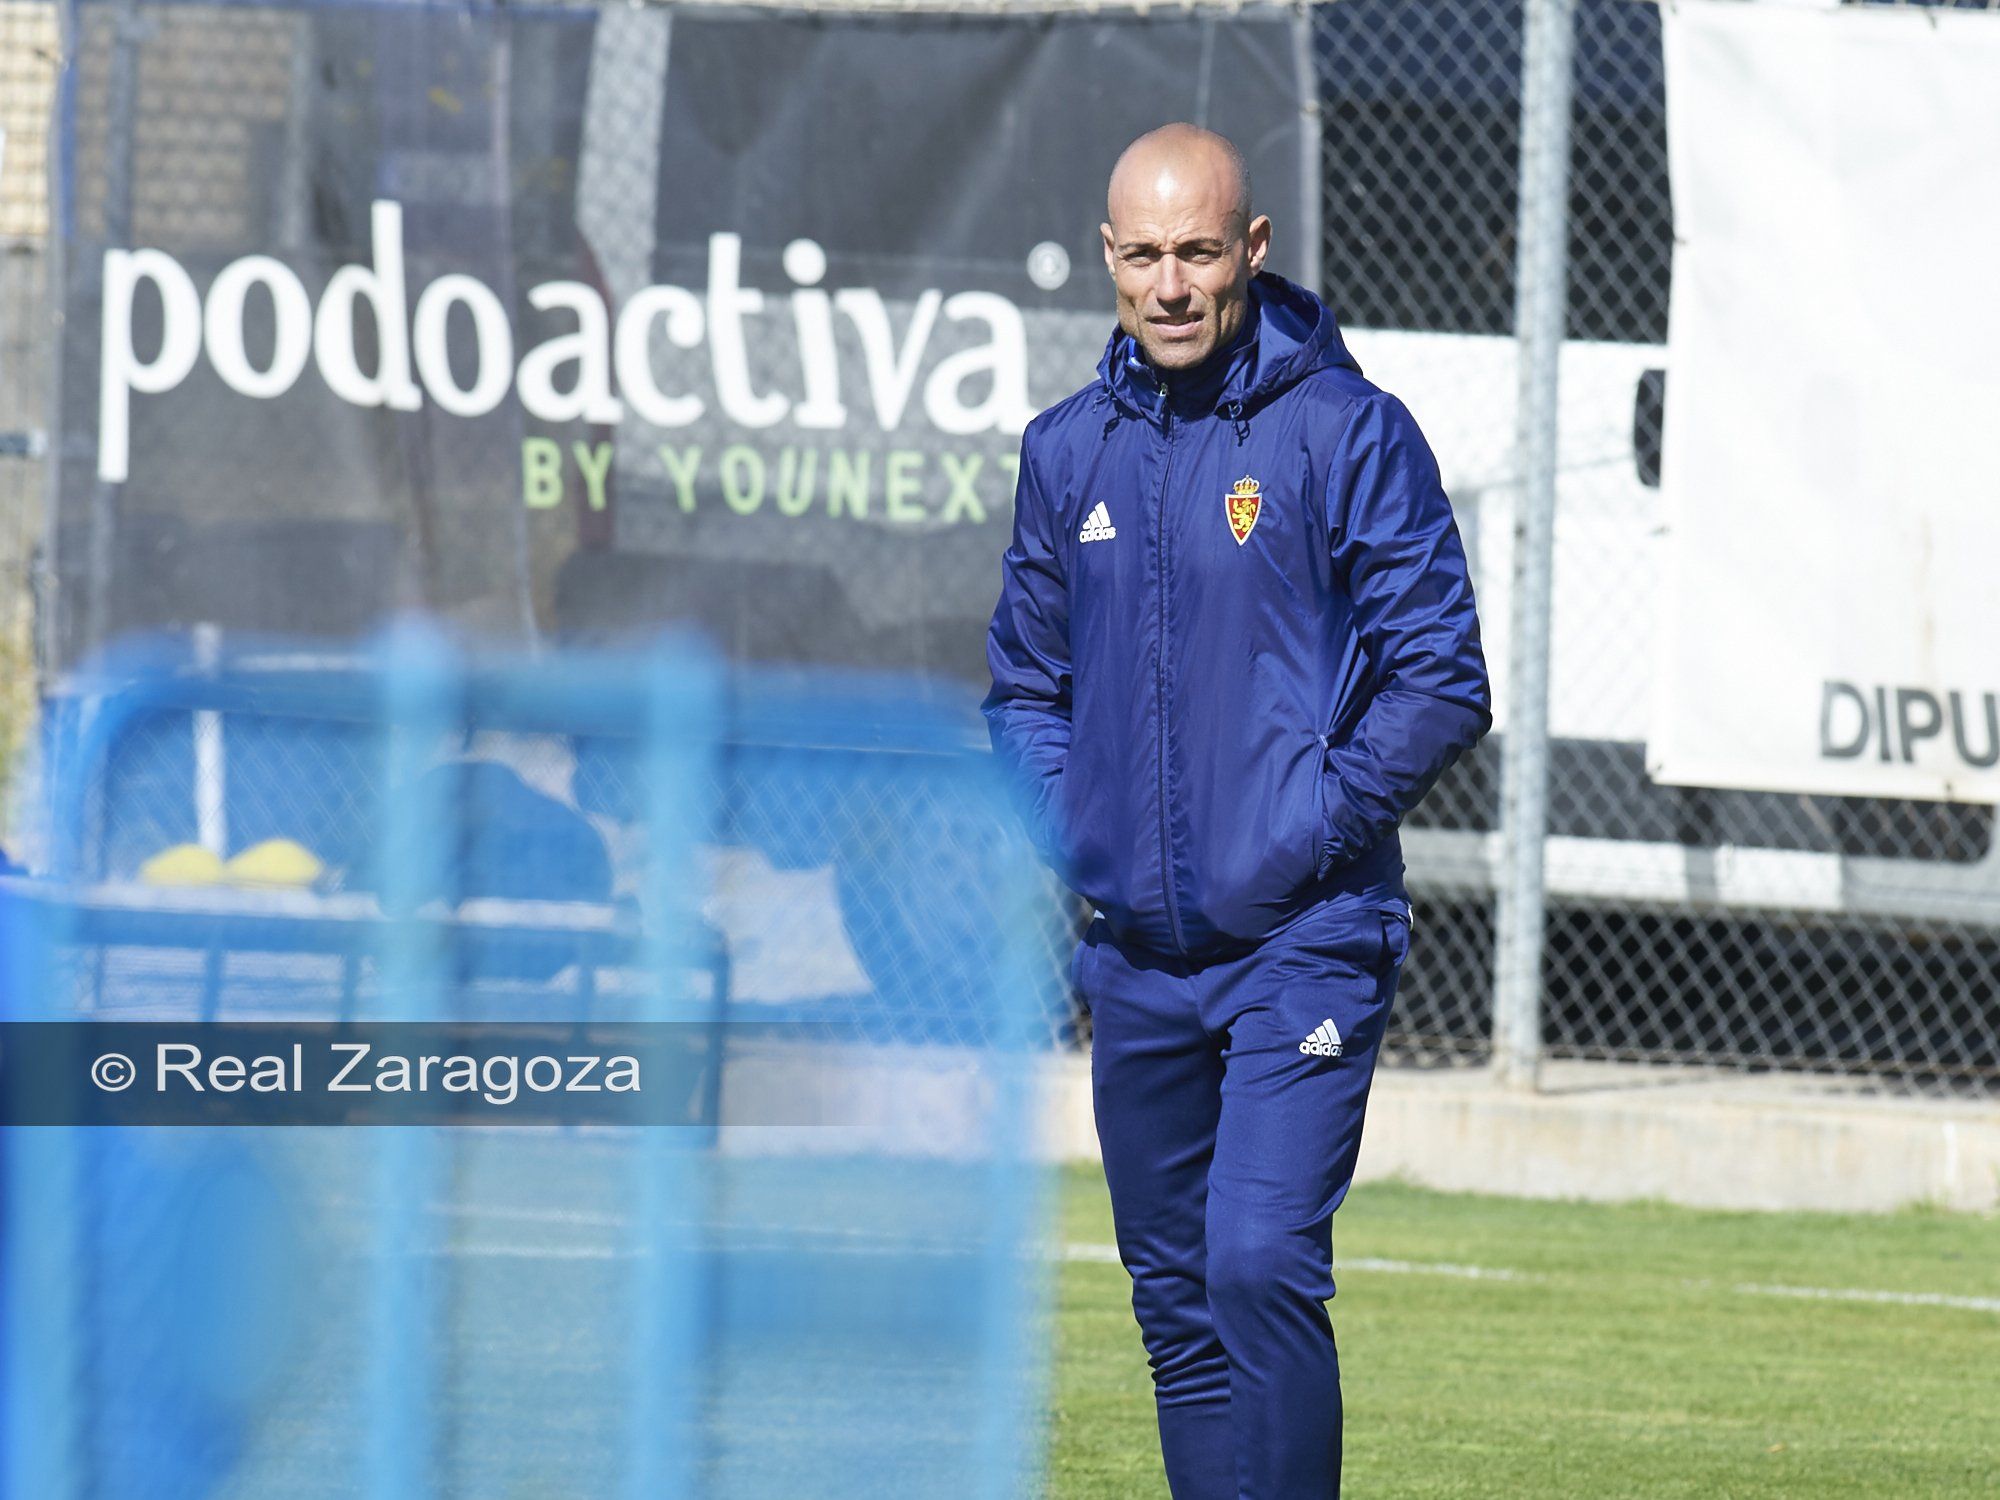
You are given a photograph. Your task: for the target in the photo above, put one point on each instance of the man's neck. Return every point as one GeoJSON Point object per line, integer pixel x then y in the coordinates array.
{"type": "Point", "coordinates": [1210, 370]}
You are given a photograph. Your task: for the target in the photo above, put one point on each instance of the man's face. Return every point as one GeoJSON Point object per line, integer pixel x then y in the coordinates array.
{"type": "Point", "coordinates": [1181, 258]}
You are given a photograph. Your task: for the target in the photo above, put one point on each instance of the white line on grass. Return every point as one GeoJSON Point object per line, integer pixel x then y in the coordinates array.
{"type": "Point", "coordinates": [1857, 1294]}
{"type": "Point", "coordinates": [1108, 1255]}
{"type": "Point", "coordinates": [1436, 1268]}
{"type": "Point", "coordinates": [1102, 1255]}
{"type": "Point", "coordinates": [863, 1243]}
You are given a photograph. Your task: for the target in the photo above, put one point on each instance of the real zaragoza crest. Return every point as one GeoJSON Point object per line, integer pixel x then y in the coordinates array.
{"type": "Point", "coordinates": [1241, 505]}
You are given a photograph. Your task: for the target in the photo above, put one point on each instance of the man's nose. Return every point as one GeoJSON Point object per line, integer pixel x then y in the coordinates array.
{"type": "Point", "coordinates": [1172, 283]}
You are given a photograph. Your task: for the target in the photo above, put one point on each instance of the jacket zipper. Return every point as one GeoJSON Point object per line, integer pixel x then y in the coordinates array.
{"type": "Point", "coordinates": [1166, 837]}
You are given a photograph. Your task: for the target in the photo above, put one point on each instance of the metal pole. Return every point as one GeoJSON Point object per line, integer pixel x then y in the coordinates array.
{"type": "Point", "coordinates": [122, 92]}
{"type": "Point", "coordinates": [1311, 245]}
{"type": "Point", "coordinates": [1539, 305]}
{"type": "Point", "coordinates": [58, 178]}
{"type": "Point", "coordinates": [423, 686]}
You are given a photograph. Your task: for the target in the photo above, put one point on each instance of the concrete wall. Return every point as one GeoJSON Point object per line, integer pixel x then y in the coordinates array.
{"type": "Point", "coordinates": [1608, 1134]}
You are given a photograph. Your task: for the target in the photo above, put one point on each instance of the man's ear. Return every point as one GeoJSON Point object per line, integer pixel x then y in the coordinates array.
{"type": "Point", "coordinates": [1104, 230]}
{"type": "Point", "coordinates": [1258, 237]}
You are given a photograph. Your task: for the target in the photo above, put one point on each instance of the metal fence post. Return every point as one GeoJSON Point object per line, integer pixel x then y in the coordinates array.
{"type": "Point", "coordinates": [1312, 170]}
{"type": "Point", "coordinates": [1540, 304]}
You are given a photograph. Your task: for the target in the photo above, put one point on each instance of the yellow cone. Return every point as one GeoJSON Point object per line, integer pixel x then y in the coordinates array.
{"type": "Point", "coordinates": [184, 864]}
{"type": "Point", "coordinates": [275, 862]}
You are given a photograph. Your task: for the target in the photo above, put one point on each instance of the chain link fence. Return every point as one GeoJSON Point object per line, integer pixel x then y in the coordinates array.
{"type": "Point", "coordinates": [1850, 938]}
{"type": "Point", "coordinates": [1840, 935]}
{"type": "Point", "coordinates": [1856, 938]}
{"type": "Point", "coordinates": [221, 828]}
{"type": "Point", "coordinates": [30, 49]}
{"type": "Point", "coordinates": [711, 1304]}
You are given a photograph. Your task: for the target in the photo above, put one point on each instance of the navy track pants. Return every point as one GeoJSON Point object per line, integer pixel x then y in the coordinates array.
{"type": "Point", "coordinates": [1227, 1149]}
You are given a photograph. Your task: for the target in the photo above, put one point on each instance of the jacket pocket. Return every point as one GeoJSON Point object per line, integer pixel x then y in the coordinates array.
{"type": "Point", "coordinates": [1322, 825]}
{"type": "Point", "coordinates": [1055, 821]}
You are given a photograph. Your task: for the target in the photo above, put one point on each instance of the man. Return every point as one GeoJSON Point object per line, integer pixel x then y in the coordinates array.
{"type": "Point", "coordinates": [1235, 645]}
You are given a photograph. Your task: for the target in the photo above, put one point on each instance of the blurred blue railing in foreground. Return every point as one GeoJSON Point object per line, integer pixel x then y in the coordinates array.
{"type": "Point", "coordinates": [706, 1307]}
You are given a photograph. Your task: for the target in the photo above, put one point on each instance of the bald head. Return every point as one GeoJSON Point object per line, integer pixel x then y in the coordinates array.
{"type": "Point", "coordinates": [1180, 159]}
{"type": "Point", "coordinates": [1181, 244]}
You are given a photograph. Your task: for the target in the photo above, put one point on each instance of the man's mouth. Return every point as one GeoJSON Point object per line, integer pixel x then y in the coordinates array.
{"type": "Point", "coordinates": [1176, 328]}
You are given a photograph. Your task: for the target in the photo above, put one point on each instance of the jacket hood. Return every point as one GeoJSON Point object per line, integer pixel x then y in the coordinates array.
{"type": "Point", "coordinates": [1288, 334]}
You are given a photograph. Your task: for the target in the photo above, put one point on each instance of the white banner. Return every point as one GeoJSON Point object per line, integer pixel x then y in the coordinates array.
{"type": "Point", "coordinates": [1831, 620]}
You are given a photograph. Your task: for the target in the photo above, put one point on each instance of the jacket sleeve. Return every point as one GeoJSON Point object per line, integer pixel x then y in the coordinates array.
{"type": "Point", "coordinates": [1397, 551]}
{"type": "Point", "coordinates": [1027, 650]}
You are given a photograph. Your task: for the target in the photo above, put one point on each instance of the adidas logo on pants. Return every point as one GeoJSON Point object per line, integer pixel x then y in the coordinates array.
{"type": "Point", "coordinates": [1324, 1042]}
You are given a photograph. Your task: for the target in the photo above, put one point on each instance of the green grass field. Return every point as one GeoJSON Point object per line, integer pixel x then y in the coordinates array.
{"type": "Point", "coordinates": [1635, 1351]}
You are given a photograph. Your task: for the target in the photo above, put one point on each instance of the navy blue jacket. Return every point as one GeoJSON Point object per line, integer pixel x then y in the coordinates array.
{"type": "Point", "coordinates": [1235, 642]}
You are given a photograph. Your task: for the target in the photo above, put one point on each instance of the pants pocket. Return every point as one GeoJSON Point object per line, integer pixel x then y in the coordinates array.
{"type": "Point", "coordinates": [1395, 938]}
{"type": "Point", "coordinates": [1079, 961]}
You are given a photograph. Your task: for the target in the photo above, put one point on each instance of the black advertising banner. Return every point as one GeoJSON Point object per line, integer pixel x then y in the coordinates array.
{"type": "Point", "coordinates": [564, 323]}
